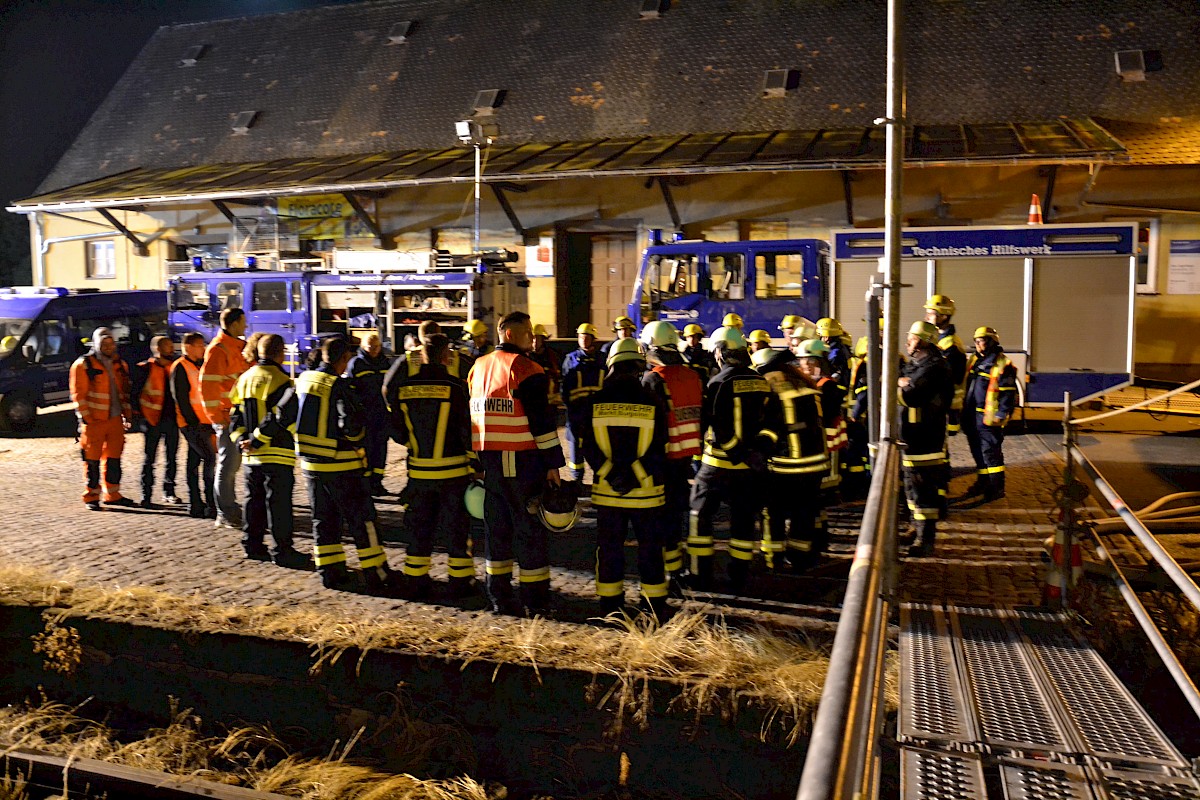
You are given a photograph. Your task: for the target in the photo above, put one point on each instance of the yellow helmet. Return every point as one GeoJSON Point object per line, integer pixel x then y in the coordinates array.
{"type": "Point", "coordinates": [623, 322]}
{"type": "Point", "coordinates": [790, 321]}
{"type": "Point", "coordinates": [624, 350]}
{"type": "Point", "coordinates": [828, 326]}
{"type": "Point", "coordinates": [759, 336]}
{"type": "Point", "coordinates": [986, 331]}
{"type": "Point", "coordinates": [8, 343]}
{"type": "Point", "coordinates": [693, 330]}
{"type": "Point", "coordinates": [540, 330]}
{"type": "Point", "coordinates": [733, 321]}
{"type": "Point", "coordinates": [474, 328]}
{"type": "Point", "coordinates": [941, 304]}
{"type": "Point", "coordinates": [861, 347]}
{"type": "Point", "coordinates": [923, 331]}
{"type": "Point", "coordinates": [587, 328]}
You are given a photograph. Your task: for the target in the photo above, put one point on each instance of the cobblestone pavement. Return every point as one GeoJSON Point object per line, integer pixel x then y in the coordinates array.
{"type": "Point", "coordinates": [985, 555]}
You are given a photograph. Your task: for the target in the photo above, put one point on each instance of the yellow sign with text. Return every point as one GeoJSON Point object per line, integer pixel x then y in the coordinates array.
{"type": "Point", "coordinates": [323, 216]}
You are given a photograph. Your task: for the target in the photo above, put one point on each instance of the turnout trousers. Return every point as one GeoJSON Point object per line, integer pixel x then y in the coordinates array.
{"type": "Point", "coordinates": [102, 441]}
{"type": "Point", "coordinates": [512, 479]}
{"type": "Point", "coordinates": [612, 523]}
{"type": "Point", "coordinates": [436, 509]}
{"type": "Point", "coordinates": [376, 445]}
{"type": "Point", "coordinates": [202, 455]}
{"type": "Point", "coordinates": [675, 515]}
{"type": "Point", "coordinates": [577, 431]}
{"type": "Point", "coordinates": [987, 448]}
{"type": "Point", "coordinates": [924, 477]}
{"type": "Point", "coordinates": [268, 505]}
{"type": "Point", "coordinates": [168, 435]}
{"type": "Point", "coordinates": [793, 510]}
{"type": "Point", "coordinates": [739, 489]}
{"type": "Point", "coordinates": [338, 498]}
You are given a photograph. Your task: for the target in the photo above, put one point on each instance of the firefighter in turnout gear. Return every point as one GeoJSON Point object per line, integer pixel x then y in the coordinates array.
{"type": "Point", "coordinates": [193, 423]}
{"type": "Point", "coordinates": [738, 421]}
{"type": "Point", "coordinates": [627, 450]}
{"type": "Point", "coordinates": [366, 373]}
{"type": "Point", "coordinates": [329, 441]}
{"type": "Point", "coordinates": [100, 390]}
{"type": "Point", "coordinates": [938, 310]}
{"type": "Point", "coordinates": [263, 430]}
{"type": "Point", "coordinates": [475, 333]}
{"type": "Point", "coordinates": [548, 360]}
{"type": "Point", "coordinates": [796, 466]}
{"type": "Point", "coordinates": [624, 328]}
{"type": "Point", "coordinates": [157, 409]}
{"type": "Point", "coordinates": [814, 366]}
{"type": "Point", "coordinates": [431, 416]}
{"type": "Point", "coordinates": [695, 356]}
{"type": "Point", "coordinates": [830, 332]}
{"type": "Point", "coordinates": [582, 376]}
{"type": "Point", "coordinates": [681, 392]}
{"type": "Point", "coordinates": [925, 396]}
{"type": "Point", "coordinates": [515, 434]}
{"type": "Point", "coordinates": [991, 398]}
{"type": "Point", "coordinates": [856, 457]}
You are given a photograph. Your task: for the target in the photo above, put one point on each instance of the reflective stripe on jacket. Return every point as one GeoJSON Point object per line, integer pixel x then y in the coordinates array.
{"type": "Point", "coordinates": [185, 390]}
{"type": "Point", "coordinates": [91, 392]}
{"type": "Point", "coordinates": [831, 411]}
{"type": "Point", "coordinates": [256, 396]}
{"type": "Point", "coordinates": [627, 445]}
{"type": "Point", "coordinates": [223, 363]}
{"type": "Point", "coordinates": [329, 423]}
{"type": "Point", "coordinates": [431, 416]}
{"type": "Point", "coordinates": [155, 401]}
{"type": "Point", "coordinates": [684, 397]}
{"type": "Point", "coordinates": [999, 399]}
{"type": "Point", "coordinates": [801, 448]}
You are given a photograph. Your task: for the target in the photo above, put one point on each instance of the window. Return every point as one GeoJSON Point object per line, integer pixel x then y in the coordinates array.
{"type": "Point", "coordinates": [779, 275]}
{"type": "Point", "coordinates": [270, 296]}
{"type": "Point", "coordinates": [49, 339]}
{"type": "Point", "coordinates": [297, 296]}
{"type": "Point", "coordinates": [102, 259]}
{"type": "Point", "coordinates": [727, 276]}
{"type": "Point", "coordinates": [119, 325]}
{"type": "Point", "coordinates": [229, 295]}
{"type": "Point", "coordinates": [669, 276]}
{"type": "Point", "coordinates": [190, 296]}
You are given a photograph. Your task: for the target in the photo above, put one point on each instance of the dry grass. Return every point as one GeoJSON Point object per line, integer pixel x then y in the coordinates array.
{"type": "Point", "coordinates": [250, 757]}
{"type": "Point", "coordinates": [718, 669]}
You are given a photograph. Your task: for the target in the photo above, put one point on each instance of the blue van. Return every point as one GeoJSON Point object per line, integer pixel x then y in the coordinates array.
{"type": "Point", "coordinates": [43, 329]}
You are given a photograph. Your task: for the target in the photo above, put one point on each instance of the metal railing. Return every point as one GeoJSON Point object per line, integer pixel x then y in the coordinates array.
{"type": "Point", "coordinates": [842, 759]}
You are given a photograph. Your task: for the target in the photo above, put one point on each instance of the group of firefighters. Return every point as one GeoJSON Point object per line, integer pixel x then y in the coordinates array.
{"type": "Point", "coordinates": [670, 429]}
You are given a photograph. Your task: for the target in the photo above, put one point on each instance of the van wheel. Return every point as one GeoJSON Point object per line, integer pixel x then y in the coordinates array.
{"type": "Point", "coordinates": [18, 413]}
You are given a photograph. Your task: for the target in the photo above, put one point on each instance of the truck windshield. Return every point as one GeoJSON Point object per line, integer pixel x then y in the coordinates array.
{"type": "Point", "coordinates": [670, 276]}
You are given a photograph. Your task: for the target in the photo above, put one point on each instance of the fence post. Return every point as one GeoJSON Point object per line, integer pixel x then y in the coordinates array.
{"type": "Point", "coordinates": [1064, 536]}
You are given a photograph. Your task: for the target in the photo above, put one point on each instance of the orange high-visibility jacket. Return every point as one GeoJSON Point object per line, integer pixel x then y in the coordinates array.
{"type": "Point", "coordinates": [192, 400]}
{"type": "Point", "coordinates": [154, 391]}
{"type": "Point", "coordinates": [684, 394]}
{"type": "Point", "coordinates": [90, 389]}
{"type": "Point", "coordinates": [223, 364]}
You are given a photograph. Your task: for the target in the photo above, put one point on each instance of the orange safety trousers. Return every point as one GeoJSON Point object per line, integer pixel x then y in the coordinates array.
{"type": "Point", "coordinates": [102, 441]}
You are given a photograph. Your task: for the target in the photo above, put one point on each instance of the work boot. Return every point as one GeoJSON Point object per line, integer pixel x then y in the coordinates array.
{"type": "Point", "coordinates": [337, 577]}
{"type": "Point", "coordinates": [291, 558]}
{"type": "Point", "coordinates": [922, 546]}
{"type": "Point", "coordinates": [612, 605]}
{"type": "Point", "coordinates": [377, 489]}
{"type": "Point", "coordinates": [172, 500]}
{"type": "Point", "coordinates": [535, 597]}
{"type": "Point", "coordinates": [657, 608]}
{"type": "Point", "coordinates": [416, 587]}
{"type": "Point", "coordinates": [382, 582]}
{"type": "Point", "coordinates": [196, 511]}
{"type": "Point", "coordinates": [995, 487]}
{"type": "Point", "coordinates": [739, 575]}
{"type": "Point", "coordinates": [93, 505]}
{"type": "Point", "coordinates": [257, 551]}
{"type": "Point", "coordinates": [123, 502]}
{"type": "Point", "coordinates": [147, 503]}
{"type": "Point", "coordinates": [462, 588]}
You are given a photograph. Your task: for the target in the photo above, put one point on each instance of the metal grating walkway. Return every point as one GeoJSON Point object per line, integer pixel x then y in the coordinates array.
{"type": "Point", "coordinates": [1012, 705]}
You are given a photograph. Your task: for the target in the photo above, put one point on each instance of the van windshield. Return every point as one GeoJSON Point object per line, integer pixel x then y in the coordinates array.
{"type": "Point", "coordinates": [12, 327]}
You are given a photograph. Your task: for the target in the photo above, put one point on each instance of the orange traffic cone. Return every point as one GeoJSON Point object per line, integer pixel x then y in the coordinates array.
{"type": "Point", "coordinates": [1035, 211]}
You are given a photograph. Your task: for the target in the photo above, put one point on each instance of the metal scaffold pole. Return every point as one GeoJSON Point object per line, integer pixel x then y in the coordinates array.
{"type": "Point", "coordinates": [892, 209]}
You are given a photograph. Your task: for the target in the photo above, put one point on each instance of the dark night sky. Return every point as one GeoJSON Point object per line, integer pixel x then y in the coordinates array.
{"type": "Point", "coordinates": [59, 58]}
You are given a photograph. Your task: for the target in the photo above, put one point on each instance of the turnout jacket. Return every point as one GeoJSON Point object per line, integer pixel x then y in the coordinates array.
{"type": "Point", "coordinates": [185, 391]}
{"type": "Point", "coordinates": [925, 402]}
{"type": "Point", "coordinates": [800, 447]}
{"type": "Point", "coordinates": [223, 363]}
{"type": "Point", "coordinates": [956, 359]}
{"type": "Point", "coordinates": [154, 400]}
{"type": "Point", "coordinates": [510, 406]}
{"type": "Point", "coordinates": [681, 392]}
{"type": "Point", "coordinates": [627, 445]}
{"type": "Point", "coordinates": [431, 415]}
{"type": "Point", "coordinates": [738, 418]}
{"type": "Point", "coordinates": [93, 392]}
{"type": "Point", "coordinates": [832, 397]}
{"type": "Point", "coordinates": [258, 415]}
{"type": "Point", "coordinates": [701, 361]}
{"type": "Point", "coordinates": [366, 374]}
{"type": "Point", "coordinates": [991, 387]}
{"type": "Point", "coordinates": [329, 422]}
{"type": "Point", "coordinates": [839, 363]}
{"type": "Point", "coordinates": [582, 376]}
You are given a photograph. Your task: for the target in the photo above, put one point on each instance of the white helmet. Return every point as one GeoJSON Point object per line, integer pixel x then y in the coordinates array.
{"type": "Point", "coordinates": [659, 334]}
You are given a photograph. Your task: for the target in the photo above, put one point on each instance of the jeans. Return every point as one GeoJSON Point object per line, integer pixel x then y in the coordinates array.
{"type": "Point", "coordinates": [229, 461]}
{"type": "Point", "coordinates": [200, 452]}
{"type": "Point", "coordinates": [168, 434]}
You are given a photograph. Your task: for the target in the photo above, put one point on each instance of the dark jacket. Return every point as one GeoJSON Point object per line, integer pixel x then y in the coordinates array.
{"type": "Point", "coordinates": [925, 402]}
{"type": "Point", "coordinates": [431, 415]}
{"type": "Point", "coordinates": [629, 468]}
{"type": "Point", "coordinates": [739, 416]}
{"type": "Point", "coordinates": [582, 376]}
{"type": "Point", "coordinates": [335, 446]}
{"type": "Point", "coordinates": [366, 380]}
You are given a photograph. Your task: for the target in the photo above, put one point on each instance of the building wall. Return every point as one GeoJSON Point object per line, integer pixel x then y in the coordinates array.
{"type": "Point", "coordinates": [726, 207]}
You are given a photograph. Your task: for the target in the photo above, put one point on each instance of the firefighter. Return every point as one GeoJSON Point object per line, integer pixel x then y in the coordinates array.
{"type": "Point", "coordinates": [759, 340]}
{"type": "Point", "coordinates": [402, 369]}
{"type": "Point", "coordinates": [939, 309]}
{"type": "Point", "coordinates": [926, 392]}
{"type": "Point", "coordinates": [856, 462]}
{"type": "Point", "coordinates": [681, 392]}
{"type": "Point", "coordinates": [627, 450]}
{"type": "Point", "coordinates": [329, 441]}
{"type": "Point", "coordinates": [431, 416]}
{"type": "Point", "coordinates": [261, 428]}
{"type": "Point", "coordinates": [192, 418]}
{"type": "Point", "coordinates": [738, 416]}
{"type": "Point", "coordinates": [515, 434]}
{"type": "Point", "coordinates": [100, 389]}
{"type": "Point", "coordinates": [788, 326]}
{"type": "Point", "coordinates": [796, 466]}
{"type": "Point", "coordinates": [812, 358]}
{"type": "Point", "coordinates": [157, 409]}
{"type": "Point", "coordinates": [582, 376]}
{"type": "Point", "coordinates": [830, 331]}
{"type": "Point", "coordinates": [732, 320]}
{"type": "Point", "coordinates": [223, 363]}
{"type": "Point", "coordinates": [624, 328]}
{"type": "Point", "coordinates": [548, 360]}
{"type": "Point", "coordinates": [989, 402]}
{"type": "Point", "coordinates": [695, 356]}
{"type": "Point", "coordinates": [476, 334]}
{"type": "Point", "coordinates": [366, 373]}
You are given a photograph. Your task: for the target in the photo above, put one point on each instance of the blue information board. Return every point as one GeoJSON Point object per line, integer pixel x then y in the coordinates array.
{"type": "Point", "coordinates": [1020, 242]}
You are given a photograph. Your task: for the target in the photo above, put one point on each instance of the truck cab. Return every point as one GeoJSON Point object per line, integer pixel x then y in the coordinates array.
{"type": "Point", "coordinates": [697, 281]}
{"type": "Point", "coordinates": [43, 329]}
